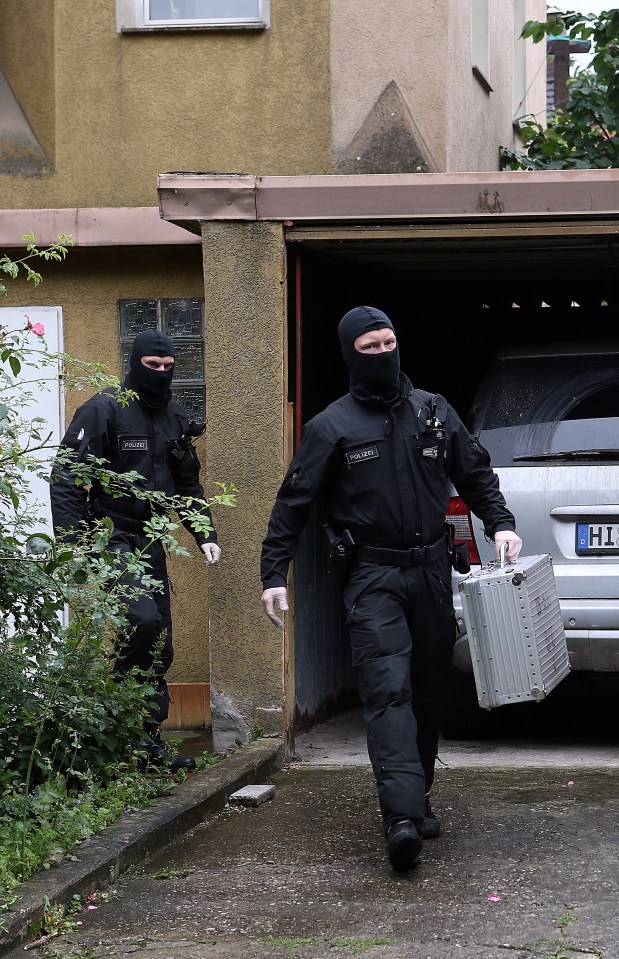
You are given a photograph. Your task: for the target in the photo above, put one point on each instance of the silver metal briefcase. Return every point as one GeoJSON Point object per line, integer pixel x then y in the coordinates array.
{"type": "Point", "coordinates": [515, 630]}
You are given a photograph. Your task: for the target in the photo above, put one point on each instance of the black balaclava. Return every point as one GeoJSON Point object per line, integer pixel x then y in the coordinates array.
{"type": "Point", "coordinates": [371, 375]}
{"type": "Point", "coordinates": [152, 386]}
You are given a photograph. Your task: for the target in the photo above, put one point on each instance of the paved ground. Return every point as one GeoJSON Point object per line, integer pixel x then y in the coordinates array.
{"type": "Point", "coordinates": [341, 741]}
{"type": "Point", "coordinates": [526, 868]}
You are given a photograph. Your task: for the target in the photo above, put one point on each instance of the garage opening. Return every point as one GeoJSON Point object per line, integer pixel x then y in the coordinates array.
{"type": "Point", "coordinates": [457, 296]}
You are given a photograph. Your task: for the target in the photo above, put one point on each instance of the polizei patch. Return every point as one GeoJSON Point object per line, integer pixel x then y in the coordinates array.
{"type": "Point", "coordinates": [360, 456]}
{"type": "Point", "coordinates": [129, 443]}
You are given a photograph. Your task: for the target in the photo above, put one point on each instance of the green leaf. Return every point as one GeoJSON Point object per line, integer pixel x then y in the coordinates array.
{"type": "Point", "coordinates": [9, 267]}
{"type": "Point", "coordinates": [581, 134]}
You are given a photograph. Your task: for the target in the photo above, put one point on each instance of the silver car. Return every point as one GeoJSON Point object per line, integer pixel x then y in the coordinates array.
{"type": "Point", "coordinates": [549, 417]}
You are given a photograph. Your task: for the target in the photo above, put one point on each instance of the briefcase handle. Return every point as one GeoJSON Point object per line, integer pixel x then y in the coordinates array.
{"type": "Point", "coordinates": [502, 555]}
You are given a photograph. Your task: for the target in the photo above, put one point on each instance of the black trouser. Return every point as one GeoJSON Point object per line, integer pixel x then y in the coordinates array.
{"type": "Point", "coordinates": [150, 622]}
{"type": "Point", "coordinates": [402, 629]}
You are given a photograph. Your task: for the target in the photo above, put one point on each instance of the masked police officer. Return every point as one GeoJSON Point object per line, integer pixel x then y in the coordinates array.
{"type": "Point", "coordinates": [384, 456]}
{"type": "Point", "coordinates": [152, 436]}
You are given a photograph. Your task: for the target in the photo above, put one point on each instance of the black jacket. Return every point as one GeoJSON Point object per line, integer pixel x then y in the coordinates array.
{"type": "Point", "coordinates": [150, 441]}
{"type": "Point", "coordinates": [383, 477]}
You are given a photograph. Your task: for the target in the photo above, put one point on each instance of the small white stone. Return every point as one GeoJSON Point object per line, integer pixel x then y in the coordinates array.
{"type": "Point", "coordinates": [252, 795]}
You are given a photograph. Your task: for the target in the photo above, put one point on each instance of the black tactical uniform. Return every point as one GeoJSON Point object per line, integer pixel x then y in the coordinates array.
{"type": "Point", "coordinates": [385, 474]}
{"type": "Point", "coordinates": [151, 436]}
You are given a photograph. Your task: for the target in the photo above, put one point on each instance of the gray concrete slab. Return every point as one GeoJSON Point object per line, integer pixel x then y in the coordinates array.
{"type": "Point", "coordinates": [341, 741]}
{"type": "Point", "coordinates": [526, 868]}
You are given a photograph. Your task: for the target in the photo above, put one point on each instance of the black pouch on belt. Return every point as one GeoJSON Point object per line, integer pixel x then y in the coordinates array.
{"type": "Point", "coordinates": [339, 547]}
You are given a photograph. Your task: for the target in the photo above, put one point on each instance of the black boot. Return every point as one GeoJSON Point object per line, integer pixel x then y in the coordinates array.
{"type": "Point", "coordinates": [160, 755]}
{"type": "Point", "coordinates": [403, 844]}
{"type": "Point", "coordinates": [430, 827]}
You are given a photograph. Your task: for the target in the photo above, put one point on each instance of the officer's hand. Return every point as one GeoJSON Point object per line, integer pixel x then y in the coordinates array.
{"type": "Point", "coordinates": [276, 594]}
{"type": "Point", "coordinates": [514, 544]}
{"type": "Point", "coordinates": [211, 552]}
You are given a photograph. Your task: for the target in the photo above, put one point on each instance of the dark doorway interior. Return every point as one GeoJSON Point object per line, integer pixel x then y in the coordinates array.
{"type": "Point", "coordinates": [455, 303]}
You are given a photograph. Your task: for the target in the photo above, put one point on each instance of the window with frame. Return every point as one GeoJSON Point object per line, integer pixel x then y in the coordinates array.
{"type": "Point", "coordinates": [136, 15]}
{"type": "Point", "coordinates": [183, 321]}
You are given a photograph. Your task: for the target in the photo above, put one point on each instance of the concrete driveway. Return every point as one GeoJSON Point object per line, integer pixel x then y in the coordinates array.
{"type": "Point", "coordinates": [526, 867]}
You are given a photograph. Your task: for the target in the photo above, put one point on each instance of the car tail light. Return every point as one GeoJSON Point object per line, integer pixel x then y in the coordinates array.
{"type": "Point", "coordinates": [459, 516]}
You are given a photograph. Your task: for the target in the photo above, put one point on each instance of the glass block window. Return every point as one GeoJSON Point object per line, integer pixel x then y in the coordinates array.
{"type": "Point", "coordinates": [182, 321]}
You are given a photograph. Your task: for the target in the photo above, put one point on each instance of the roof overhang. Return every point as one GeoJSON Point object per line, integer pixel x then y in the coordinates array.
{"type": "Point", "coordinates": [91, 226]}
{"type": "Point", "coordinates": [187, 200]}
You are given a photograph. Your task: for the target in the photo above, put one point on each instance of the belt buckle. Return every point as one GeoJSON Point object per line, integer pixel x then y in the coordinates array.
{"type": "Point", "coordinates": [416, 555]}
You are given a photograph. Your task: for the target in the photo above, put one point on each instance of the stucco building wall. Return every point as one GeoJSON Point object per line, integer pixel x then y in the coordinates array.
{"type": "Point", "coordinates": [479, 121]}
{"type": "Point", "coordinates": [404, 97]}
{"type": "Point", "coordinates": [28, 58]}
{"type": "Point", "coordinates": [336, 87]}
{"type": "Point", "coordinates": [128, 106]}
{"type": "Point", "coordinates": [369, 51]}
{"type": "Point", "coordinates": [245, 337]}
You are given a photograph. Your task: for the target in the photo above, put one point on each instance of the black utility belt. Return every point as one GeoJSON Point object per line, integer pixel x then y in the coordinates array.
{"type": "Point", "coordinates": [415, 556]}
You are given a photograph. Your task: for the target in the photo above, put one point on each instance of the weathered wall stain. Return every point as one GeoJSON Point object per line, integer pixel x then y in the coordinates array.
{"type": "Point", "coordinates": [389, 140]}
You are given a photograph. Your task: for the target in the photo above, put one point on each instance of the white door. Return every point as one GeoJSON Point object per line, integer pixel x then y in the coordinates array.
{"type": "Point", "coordinates": [47, 399]}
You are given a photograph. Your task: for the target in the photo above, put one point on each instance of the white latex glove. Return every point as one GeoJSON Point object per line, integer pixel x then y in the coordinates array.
{"type": "Point", "coordinates": [276, 594]}
{"type": "Point", "coordinates": [211, 552]}
{"type": "Point", "coordinates": [514, 544]}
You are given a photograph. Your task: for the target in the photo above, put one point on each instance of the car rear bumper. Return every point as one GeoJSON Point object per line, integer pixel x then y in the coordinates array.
{"type": "Point", "coordinates": [591, 631]}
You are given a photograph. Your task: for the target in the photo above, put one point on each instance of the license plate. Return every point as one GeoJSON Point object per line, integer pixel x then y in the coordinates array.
{"type": "Point", "coordinates": [598, 539]}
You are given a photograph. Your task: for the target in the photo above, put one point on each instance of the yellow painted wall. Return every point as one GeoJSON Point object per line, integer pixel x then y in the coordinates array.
{"type": "Point", "coordinates": [88, 286]}
{"type": "Point", "coordinates": [131, 106]}
{"type": "Point", "coordinates": [27, 56]}
{"type": "Point", "coordinates": [245, 342]}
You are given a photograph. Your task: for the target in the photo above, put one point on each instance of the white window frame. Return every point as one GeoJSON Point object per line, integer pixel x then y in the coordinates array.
{"type": "Point", "coordinates": [133, 16]}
